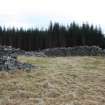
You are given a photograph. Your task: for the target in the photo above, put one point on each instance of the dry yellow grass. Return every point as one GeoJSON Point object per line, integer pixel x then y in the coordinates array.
{"type": "Point", "coordinates": [56, 81]}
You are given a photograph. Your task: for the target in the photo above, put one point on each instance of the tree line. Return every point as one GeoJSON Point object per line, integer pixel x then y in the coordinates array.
{"type": "Point", "coordinates": [55, 35]}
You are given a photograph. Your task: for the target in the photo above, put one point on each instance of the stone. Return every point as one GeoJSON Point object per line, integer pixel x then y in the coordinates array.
{"type": "Point", "coordinates": [34, 53]}
{"type": "Point", "coordinates": [8, 59]}
{"type": "Point", "coordinates": [75, 51]}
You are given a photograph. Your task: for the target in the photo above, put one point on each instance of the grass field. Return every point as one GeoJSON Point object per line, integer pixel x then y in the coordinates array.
{"type": "Point", "coordinates": [55, 81]}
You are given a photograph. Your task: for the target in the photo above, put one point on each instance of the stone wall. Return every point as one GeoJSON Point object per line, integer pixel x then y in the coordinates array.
{"type": "Point", "coordinates": [8, 59]}
{"type": "Point", "coordinates": [75, 51]}
{"type": "Point", "coordinates": [8, 55]}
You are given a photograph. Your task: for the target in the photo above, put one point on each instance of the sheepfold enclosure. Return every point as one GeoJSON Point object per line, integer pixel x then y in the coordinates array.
{"type": "Point", "coordinates": [56, 81]}
{"type": "Point", "coordinates": [8, 55]}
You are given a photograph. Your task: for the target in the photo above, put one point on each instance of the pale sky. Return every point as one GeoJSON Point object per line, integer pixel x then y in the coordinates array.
{"type": "Point", "coordinates": [38, 13]}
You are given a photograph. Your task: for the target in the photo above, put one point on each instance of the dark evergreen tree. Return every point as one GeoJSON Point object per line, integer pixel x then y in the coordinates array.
{"type": "Point", "coordinates": [55, 36]}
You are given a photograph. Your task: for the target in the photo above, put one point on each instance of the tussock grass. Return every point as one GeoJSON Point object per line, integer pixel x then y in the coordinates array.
{"type": "Point", "coordinates": [56, 81]}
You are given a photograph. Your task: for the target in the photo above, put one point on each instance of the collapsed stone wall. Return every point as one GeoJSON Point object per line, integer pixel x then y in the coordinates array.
{"type": "Point", "coordinates": [8, 59]}
{"type": "Point", "coordinates": [8, 55]}
{"type": "Point", "coordinates": [75, 51]}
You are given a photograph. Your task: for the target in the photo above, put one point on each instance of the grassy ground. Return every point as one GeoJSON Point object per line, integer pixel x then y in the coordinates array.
{"type": "Point", "coordinates": [55, 81]}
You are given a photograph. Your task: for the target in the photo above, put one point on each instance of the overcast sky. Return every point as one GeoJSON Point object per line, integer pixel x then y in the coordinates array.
{"type": "Point", "coordinates": [38, 13]}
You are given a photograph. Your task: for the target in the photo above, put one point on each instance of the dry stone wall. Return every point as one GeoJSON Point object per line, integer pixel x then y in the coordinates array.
{"type": "Point", "coordinates": [8, 55]}
{"type": "Point", "coordinates": [8, 59]}
{"type": "Point", "coordinates": [75, 51]}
